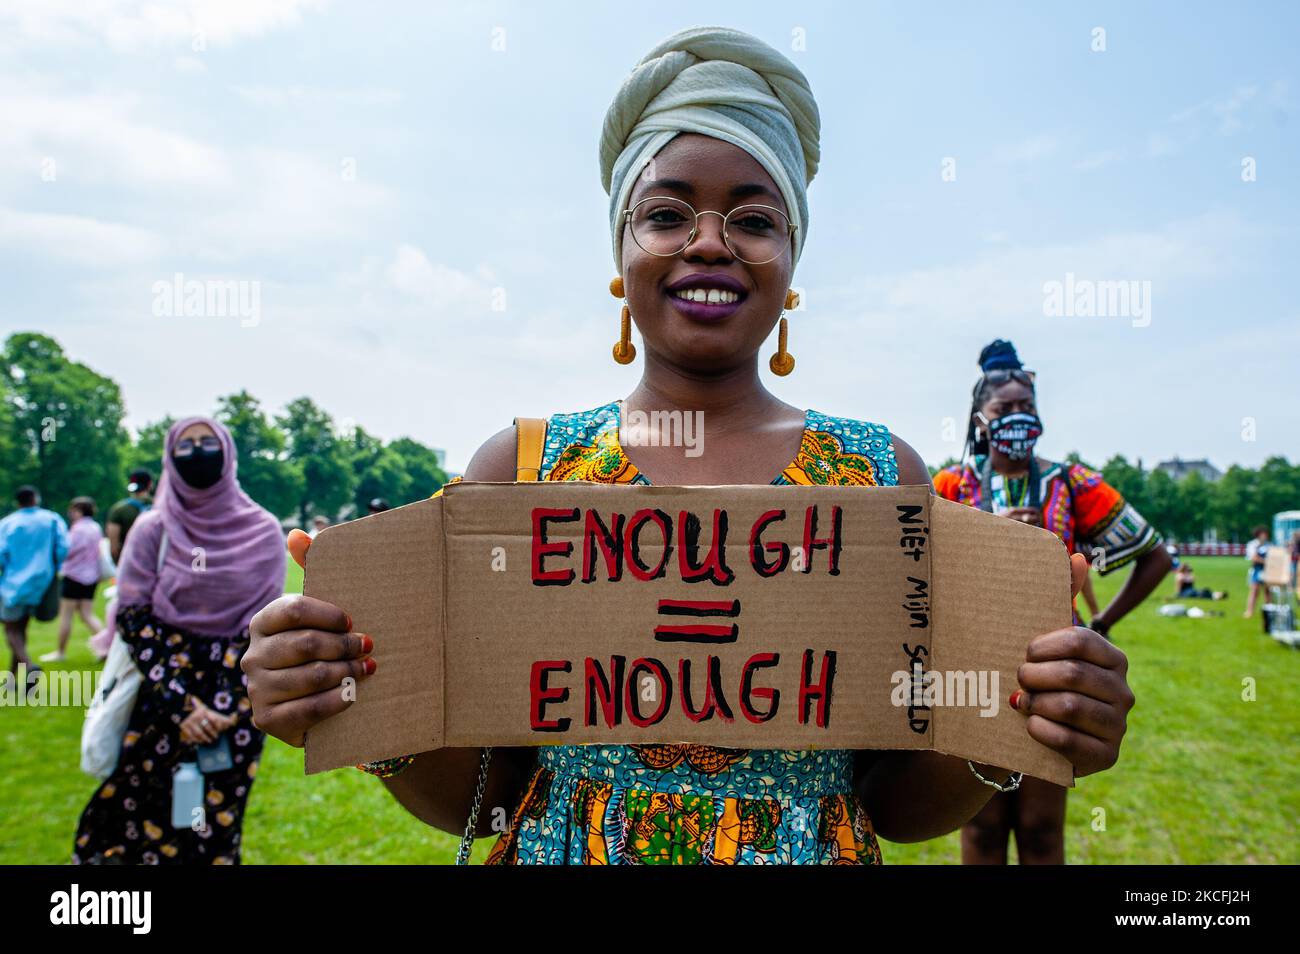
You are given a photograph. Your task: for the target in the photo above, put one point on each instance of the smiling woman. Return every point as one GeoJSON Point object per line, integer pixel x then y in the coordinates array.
{"type": "Point", "coordinates": [681, 262]}
{"type": "Point", "coordinates": [706, 153]}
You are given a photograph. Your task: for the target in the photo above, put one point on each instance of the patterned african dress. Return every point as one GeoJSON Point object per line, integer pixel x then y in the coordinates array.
{"type": "Point", "coordinates": [693, 804]}
{"type": "Point", "coordinates": [129, 818]}
{"type": "Point", "coordinates": [1078, 506]}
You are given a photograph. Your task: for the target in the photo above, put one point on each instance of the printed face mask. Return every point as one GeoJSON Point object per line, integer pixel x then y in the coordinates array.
{"type": "Point", "coordinates": [200, 469]}
{"type": "Point", "coordinates": [1015, 434]}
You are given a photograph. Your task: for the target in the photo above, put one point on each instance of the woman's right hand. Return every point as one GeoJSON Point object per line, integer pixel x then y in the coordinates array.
{"type": "Point", "coordinates": [301, 650]}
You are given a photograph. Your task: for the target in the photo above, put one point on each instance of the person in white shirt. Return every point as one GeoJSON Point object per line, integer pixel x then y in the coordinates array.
{"type": "Point", "coordinates": [1256, 553]}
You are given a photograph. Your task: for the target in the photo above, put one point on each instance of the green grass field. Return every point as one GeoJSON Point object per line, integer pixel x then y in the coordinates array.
{"type": "Point", "coordinates": [1204, 777]}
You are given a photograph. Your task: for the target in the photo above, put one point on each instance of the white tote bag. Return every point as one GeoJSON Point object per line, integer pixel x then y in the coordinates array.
{"type": "Point", "coordinates": [107, 568]}
{"type": "Point", "coordinates": [109, 712]}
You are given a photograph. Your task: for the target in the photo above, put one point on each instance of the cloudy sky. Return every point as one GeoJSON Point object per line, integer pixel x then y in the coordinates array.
{"type": "Point", "coordinates": [412, 189]}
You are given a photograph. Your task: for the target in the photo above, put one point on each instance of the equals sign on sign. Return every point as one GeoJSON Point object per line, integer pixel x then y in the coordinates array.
{"type": "Point", "coordinates": [698, 632]}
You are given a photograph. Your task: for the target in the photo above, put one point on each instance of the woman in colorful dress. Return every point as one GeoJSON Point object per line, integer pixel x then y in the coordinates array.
{"type": "Point", "coordinates": [705, 238]}
{"type": "Point", "coordinates": [194, 570]}
{"type": "Point", "coordinates": [1005, 476]}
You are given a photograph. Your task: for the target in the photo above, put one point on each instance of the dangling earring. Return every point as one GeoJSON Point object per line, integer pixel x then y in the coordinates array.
{"type": "Point", "coordinates": [782, 362]}
{"type": "Point", "coordinates": [624, 350]}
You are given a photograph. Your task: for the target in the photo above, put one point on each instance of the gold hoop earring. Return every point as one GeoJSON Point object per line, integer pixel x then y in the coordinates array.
{"type": "Point", "coordinates": [624, 350]}
{"type": "Point", "coordinates": [782, 362]}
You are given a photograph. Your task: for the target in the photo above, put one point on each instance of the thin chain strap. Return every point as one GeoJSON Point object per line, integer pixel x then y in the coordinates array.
{"type": "Point", "coordinates": [467, 840]}
{"type": "Point", "coordinates": [530, 442]}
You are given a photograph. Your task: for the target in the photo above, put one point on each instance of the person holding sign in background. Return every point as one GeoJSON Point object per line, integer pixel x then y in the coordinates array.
{"type": "Point", "coordinates": [1006, 477]}
{"type": "Point", "coordinates": [1256, 557]}
{"type": "Point", "coordinates": [195, 568]}
{"type": "Point", "coordinates": [706, 153]}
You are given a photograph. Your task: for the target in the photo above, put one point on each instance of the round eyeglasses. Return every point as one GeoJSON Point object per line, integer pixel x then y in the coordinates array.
{"type": "Point", "coordinates": [664, 226]}
{"type": "Point", "coordinates": [187, 446]}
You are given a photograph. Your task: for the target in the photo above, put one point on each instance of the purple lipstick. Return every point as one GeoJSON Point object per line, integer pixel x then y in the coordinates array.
{"type": "Point", "coordinates": [707, 297]}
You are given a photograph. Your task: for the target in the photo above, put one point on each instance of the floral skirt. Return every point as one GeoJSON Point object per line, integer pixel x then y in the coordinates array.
{"type": "Point", "coordinates": [129, 818]}
{"type": "Point", "coordinates": [688, 805]}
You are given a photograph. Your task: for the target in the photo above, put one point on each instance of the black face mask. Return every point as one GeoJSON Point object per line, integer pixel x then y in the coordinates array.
{"type": "Point", "coordinates": [200, 469]}
{"type": "Point", "coordinates": [1015, 434]}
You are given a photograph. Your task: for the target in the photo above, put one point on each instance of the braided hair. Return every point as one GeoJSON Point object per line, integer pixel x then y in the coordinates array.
{"type": "Point", "coordinates": [998, 355]}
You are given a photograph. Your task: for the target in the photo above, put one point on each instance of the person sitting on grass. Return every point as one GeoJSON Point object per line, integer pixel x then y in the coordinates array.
{"type": "Point", "coordinates": [1185, 579]}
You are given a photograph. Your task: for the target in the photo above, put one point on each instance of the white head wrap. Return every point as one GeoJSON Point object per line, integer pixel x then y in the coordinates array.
{"type": "Point", "coordinates": [721, 83]}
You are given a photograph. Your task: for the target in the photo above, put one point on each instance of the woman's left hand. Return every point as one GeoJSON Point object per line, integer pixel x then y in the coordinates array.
{"type": "Point", "coordinates": [1076, 693]}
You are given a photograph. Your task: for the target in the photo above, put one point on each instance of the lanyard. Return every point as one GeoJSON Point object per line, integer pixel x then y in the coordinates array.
{"type": "Point", "coordinates": [986, 485]}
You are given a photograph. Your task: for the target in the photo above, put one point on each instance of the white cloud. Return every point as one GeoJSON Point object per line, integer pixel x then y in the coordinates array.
{"type": "Point", "coordinates": [214, 203]}
{"type": "Point", "coordinates": [1225, 115]}
{"type": "Point", "coordinates": [400, 344]}
{"type": "Point", "coordinates": [77, 239]}
{"type": "Point", "coordinates": [295, 96]}
{"type": "Point", "coordinates": [97, 139]}
{"type": "Point", "coordinates": [437, 288]}
{"type": "Point", "coordinates": [412, 272]}
{"type": "Point", "coordinates": [1009, 282]}
{"type": "Point", "coordinates": [280, 199]}
{"type": "Point", "coordinates": [133, 25]}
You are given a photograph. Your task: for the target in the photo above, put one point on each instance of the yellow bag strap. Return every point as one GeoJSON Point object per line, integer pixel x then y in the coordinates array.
{"type": "Point", "coordinates": [530, 435]}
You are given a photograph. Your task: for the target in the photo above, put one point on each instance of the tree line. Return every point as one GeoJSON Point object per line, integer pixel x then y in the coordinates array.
{"type": "Point", "coordinates": [61, 430]}
{"type": "Point", "coordinates": [1186, 510]}
{"type": "Point", "coordinates": [1191, 508]}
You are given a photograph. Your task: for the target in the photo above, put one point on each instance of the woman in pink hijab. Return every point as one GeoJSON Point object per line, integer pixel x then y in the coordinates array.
{"type": "Point", "coordinates": [195, 569]}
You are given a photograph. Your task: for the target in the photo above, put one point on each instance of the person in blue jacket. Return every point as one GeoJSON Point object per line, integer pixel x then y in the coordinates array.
{"type": "Point", "coordinates": [33, 543]}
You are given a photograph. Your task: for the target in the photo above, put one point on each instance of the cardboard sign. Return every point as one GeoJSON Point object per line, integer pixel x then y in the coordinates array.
{"type": "Point", "coordinates": [1277, 567]}
{"type": "Point", "coordinates": [770, 617]}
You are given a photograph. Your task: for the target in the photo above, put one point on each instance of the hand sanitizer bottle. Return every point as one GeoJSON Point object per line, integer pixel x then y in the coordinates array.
{"type": "Point", "coordinates": [187, 796]}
